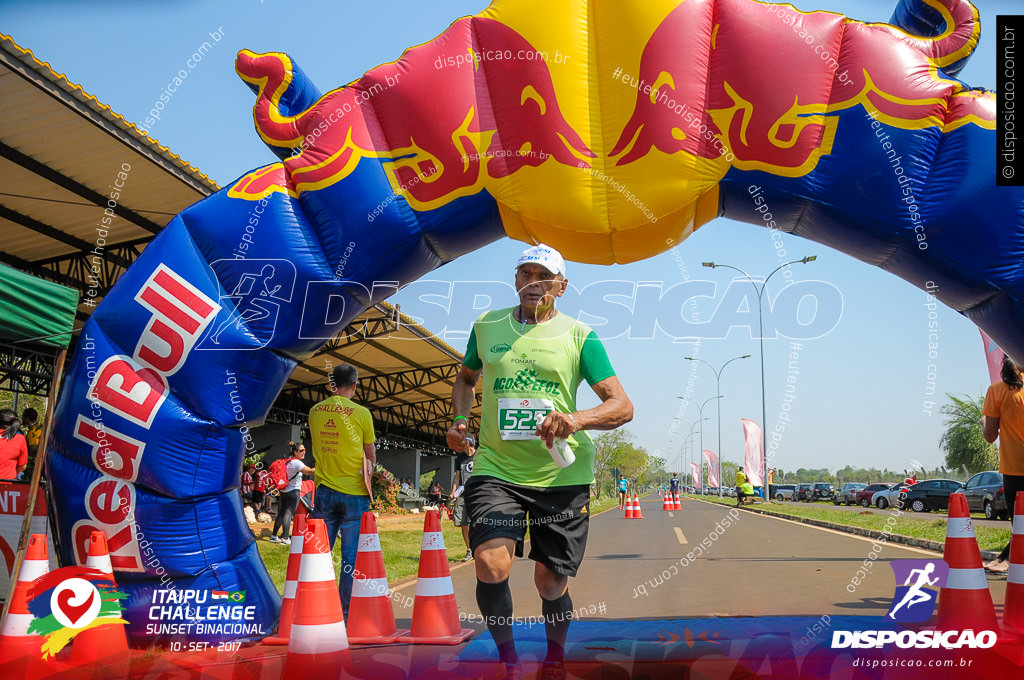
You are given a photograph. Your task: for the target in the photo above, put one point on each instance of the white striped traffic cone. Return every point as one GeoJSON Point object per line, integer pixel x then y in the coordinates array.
{"type": "Point", "coordinates": [15, 641]}
{"type": "Point", "coordinates": [106, 640]}
{"type": "Point", "coordinates": [629, 508]}
{"type": "Point", "coordinates": [676, 505]}
{"type": "Point", "coordinates": [317, 642]}
{"type": "Point", "coordinates": [435, 615]}
{"type": "Point", "coordinates": [371, 618]}
{"type": "Point", "coordinates": [1013, 605]}
{"type": "Point", "coordinates": [637, 512]}
{"type": "Point", "coordinates": [666, 504]}
{"type": "Point", "coordinates": [291, 580]}
{"type": "Point", "coordinates": [965, 601]}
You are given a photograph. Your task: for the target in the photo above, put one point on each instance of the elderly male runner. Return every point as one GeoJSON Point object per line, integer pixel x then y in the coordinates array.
{"type": "Point", "coordinates": [532, 360]}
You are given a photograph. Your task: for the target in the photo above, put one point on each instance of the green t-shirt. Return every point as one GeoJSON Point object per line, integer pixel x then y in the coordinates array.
{"type": "Point", "coordinates": [526, 374]}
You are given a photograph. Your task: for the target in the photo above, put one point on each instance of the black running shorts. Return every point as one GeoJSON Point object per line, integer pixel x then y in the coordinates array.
{"type": "Point", "coordinates": [557, 517]}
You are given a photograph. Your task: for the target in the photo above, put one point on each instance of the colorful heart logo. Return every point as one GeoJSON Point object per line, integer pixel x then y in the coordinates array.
{"type": "Point", "coordinates": [74, 613]}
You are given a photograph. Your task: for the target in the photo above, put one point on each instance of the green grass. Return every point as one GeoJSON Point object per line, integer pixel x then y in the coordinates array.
{"type": "Point", "coordinates": [906, 524]}
{"type": "Point", "coordinates": [400, 541]}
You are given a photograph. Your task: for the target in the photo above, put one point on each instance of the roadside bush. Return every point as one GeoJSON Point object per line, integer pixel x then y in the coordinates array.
{"type": "Point", "coordinates": [385, 493]}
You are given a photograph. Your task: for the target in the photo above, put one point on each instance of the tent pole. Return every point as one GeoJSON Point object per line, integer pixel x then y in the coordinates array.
{"type": "Point", "coordinates": [33, 490]}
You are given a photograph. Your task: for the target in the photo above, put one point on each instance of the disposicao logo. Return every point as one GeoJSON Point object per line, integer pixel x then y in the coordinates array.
{"type": "Point", "coordinates": [68, 601]}
{"type": "Point", "coordinates": [914, 602]}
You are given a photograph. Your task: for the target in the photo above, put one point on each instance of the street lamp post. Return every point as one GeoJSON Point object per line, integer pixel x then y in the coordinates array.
{"type": "Point", "coordinates": [760, 334]}
{"type": "Point", "coordinates": [689, 437]}
{"type": "Point", "coordinates": [718, 384]}
{"type": "Point", "coordinates": [701, 419]}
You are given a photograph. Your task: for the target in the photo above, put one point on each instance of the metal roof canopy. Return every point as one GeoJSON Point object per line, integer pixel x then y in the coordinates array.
{"type": "Point", "coordinates": [60, 154]}
{"type": "Point", "coordinates": [405, 376]}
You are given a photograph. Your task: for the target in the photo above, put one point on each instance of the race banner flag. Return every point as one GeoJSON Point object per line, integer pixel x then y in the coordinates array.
{"type": "Point", "coordinates": [755, 452]}
{"type": "Point", "coordinates": [695, 469]}
{"type": "Point", "coordinates": [712, 461]}
{"type": "Point", "coordinates": [993, 358]}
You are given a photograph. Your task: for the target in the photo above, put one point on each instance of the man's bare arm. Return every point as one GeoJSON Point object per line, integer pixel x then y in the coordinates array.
{"type": "Point", "coordinates": [463, 399]}
{"type": "Point", "coordinates": [614, 411]}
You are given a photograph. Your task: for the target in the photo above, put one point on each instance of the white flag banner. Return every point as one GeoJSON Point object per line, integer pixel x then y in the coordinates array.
{"type": "Point", "coordinates": [755, 452]}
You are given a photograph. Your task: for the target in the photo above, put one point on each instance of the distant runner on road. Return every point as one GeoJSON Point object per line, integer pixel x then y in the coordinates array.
{"type": "Point", "coordinates": [623, 488]}
{"type": "Point", "coordinates": [534, 457]}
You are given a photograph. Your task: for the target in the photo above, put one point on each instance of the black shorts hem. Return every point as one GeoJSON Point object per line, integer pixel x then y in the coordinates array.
{"type": "Point", "coordinates": [557, 519]}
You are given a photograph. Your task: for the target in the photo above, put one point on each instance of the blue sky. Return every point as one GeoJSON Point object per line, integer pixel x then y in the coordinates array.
{"type": "Point", "coordinates": [860, 390]}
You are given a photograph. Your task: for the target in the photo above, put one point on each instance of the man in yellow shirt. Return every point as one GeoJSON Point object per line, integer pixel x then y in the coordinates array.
{"type": "Point", "coordinates": [342, 435]}
{"type": "Point", "coordinates": [741, 479]}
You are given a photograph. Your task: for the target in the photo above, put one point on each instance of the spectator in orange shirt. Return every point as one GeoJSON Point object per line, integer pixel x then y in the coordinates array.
{"type": "Point", "coordinates": [13, 446]}
{"type": "Point", "coordinates": [1004, 418]}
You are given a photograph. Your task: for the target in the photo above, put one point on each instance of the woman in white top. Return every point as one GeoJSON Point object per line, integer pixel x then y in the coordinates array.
{"type": "Point", "coordinates": [289, 499]}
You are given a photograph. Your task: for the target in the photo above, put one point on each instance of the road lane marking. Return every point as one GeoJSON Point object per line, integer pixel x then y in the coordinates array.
{"type": "Point", "coordinates": [679, 535]}
{"type": "Point", "coordinates": [671, 514]}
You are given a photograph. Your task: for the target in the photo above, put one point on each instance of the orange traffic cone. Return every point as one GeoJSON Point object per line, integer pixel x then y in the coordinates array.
{"type": "Point", "coordinates": [435, 615]}
{"type": "Point", "coordinates": [371, 618]}
{"type": "Point", "coordinates": [676, 505]}
{"type": "Point", "coordinates": [1013, 607]}
{"type": "Point", "coordinates": [94, 644]}
{"type": "Point", "coordinates": [629, 508]}
{"type": "Point", "coordinates": [291, 579]}
{"type": "Point", "coordinates": [317, 643]}
{"type": "Point", "coordinates": [965, 601]}
{"type": "Point", "coordinates": [15, 641]}
{"type": "Point", "coordinates": [667, 504]}
{"type": "Point", "coordinates": [637, 512]}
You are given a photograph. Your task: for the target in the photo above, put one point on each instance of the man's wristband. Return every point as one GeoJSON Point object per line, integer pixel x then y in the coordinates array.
{"type": "Point", "coordinates": [456, 419]}
{"type": "Point", "coordinates": [575, 425]}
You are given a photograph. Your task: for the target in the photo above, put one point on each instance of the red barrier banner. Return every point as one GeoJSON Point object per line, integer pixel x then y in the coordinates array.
{"type": "Point", "coordinates": [13, 501]}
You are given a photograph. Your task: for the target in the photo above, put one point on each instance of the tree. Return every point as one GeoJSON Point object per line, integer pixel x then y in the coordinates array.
{"type": "Point", "coordinates": [615, 449]}
{"type": "Point", "coordinates": [729, 473]}
{"type": "Point", "coordinates": [963, 440]}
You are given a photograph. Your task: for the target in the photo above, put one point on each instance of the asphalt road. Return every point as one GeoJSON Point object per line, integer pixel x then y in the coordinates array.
{"type": "Point", "coordinates": [758, 566]}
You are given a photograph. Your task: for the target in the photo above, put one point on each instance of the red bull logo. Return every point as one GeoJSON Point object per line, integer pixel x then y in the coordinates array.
{"type": "Point", "coordinates": [473, 111]}
{"type": "Point", "coordinates": [719, 85]}
{"type": "Point", "coordinates": [785, 129]}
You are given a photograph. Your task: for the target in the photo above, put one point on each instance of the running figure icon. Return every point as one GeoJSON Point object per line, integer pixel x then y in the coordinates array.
{"type": "Point", "coordinates": [916, 594]}
{"type": "Point", "coordinates": [255, 298]}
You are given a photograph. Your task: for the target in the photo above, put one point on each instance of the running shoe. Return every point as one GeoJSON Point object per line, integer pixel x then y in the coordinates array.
{"type": "Point", "coordinates": [286, 541]}
{"type": "Point", "coordinates": [515, 671]}
{"type": "Point", "coordinates": [468, 557]}
{"type": "Point", "coordinates": [274, 539]}
{"type": "Point", "coordinates": [552, 670]}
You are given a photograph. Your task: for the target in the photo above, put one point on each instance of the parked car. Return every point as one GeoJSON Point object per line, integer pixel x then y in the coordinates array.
{"type": "Point", "coordinates": [822, 491]}
{"type": "Point", "coordinates": [984, 493]}
{"type": "Point", "coordinates": [803, 492]}
{"type": "Point", "coordinates": [931, 494]}
{"type": "Point", "coordinates": [847, 493]}
{"type": "Point", "coordinates": [863, 497]}
{"type": "Point", "coordinates": [888, 496]}
{"type": "Point", "coordinates": [784, 492]}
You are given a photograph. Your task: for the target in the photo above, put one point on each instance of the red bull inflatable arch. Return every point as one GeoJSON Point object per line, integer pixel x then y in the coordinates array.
{"type": "Point", "coordinates": [610, 130]}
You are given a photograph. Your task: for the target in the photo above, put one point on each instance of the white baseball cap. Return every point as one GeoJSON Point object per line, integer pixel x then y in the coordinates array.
{"type": "Point", "coordinates": [545, 256]}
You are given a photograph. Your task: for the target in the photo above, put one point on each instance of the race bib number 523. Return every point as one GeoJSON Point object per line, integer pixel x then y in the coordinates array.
{"type": "Point", "coordinates": [520, 418]}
